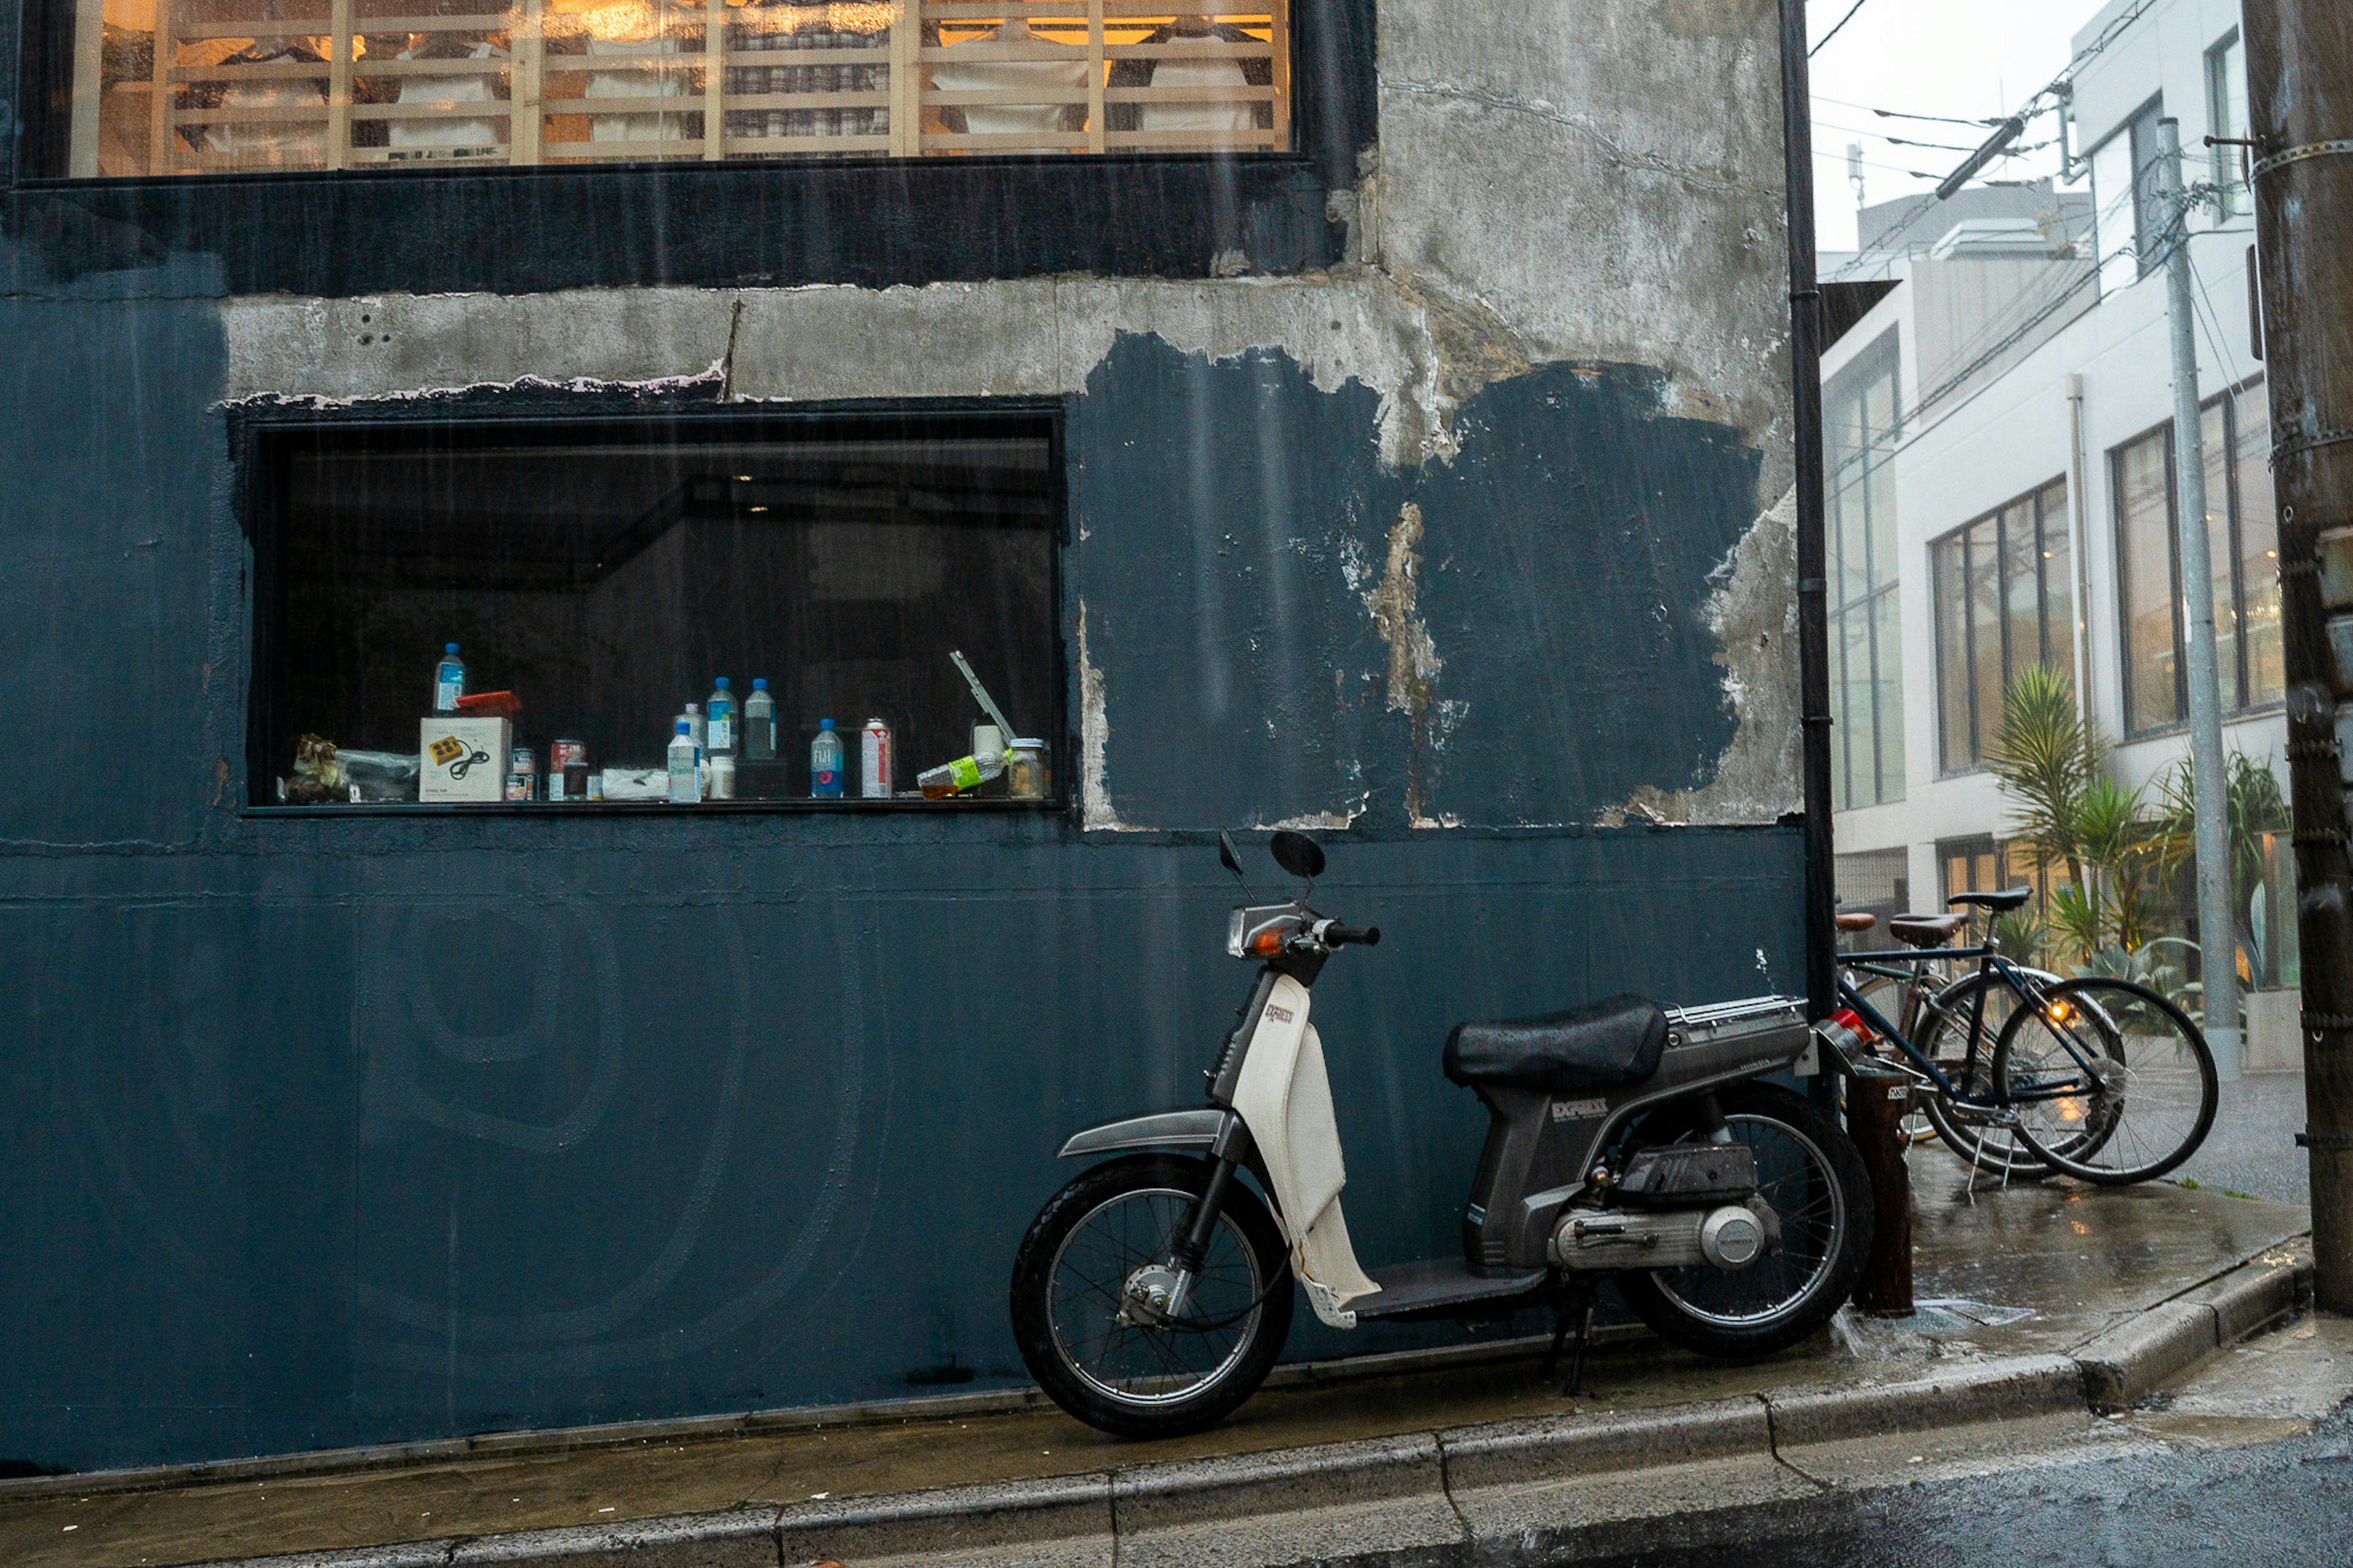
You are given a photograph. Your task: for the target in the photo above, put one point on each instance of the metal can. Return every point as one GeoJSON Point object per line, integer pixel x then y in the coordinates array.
{"type": "Point", "coordinates": [596, 786]}
{"type": "Point", "coordinates": [561, 754]}
{"type": "Point", "coordinates": [874, 761]}
{"type": "Point", "coordinates": [523, 760]}
{"type": "Point", "coordinates": [519, 785]}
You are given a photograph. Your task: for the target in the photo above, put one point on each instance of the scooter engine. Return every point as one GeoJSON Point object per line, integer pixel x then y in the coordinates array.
{"type": "Point", "coordinates": [1730, 1236]}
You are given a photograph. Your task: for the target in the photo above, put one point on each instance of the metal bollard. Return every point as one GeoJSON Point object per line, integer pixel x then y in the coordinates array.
{"type": "Point", "coordinates": [1876, 1101]}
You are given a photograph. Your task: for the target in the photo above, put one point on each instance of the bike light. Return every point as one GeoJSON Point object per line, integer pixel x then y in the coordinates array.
{"type": "Point", "coordinates": [2061, 1012]}
{"type": "Point", "coordinates": [1266, 941]}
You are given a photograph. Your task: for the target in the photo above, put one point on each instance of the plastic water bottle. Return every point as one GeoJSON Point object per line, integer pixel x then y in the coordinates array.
{"type": "Point", "coordinates": [964, 774]}
{"type": "Point", "coordinates": [759, 723]}
{"type": "Point", "coordinates": [825, 763]}
{"type": "Point", "coordinates": [718, 719]}
{"type": "Point", "coordinates": [685, 769]}
{"type": "Point", "coordinates": [696, 726]}
{"type": "Point", "coordinates": [448, 680]}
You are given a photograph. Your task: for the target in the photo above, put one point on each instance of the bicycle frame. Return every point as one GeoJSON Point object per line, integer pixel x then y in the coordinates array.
{"type": "Point", "coordinates": [1988, 960]}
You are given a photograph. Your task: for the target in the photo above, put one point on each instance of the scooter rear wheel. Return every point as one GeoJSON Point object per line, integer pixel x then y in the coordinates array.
{"type": "Point", "coordinates": [1082, 1338]}
{"type": "Point", "coordinates": [1811, 1173]}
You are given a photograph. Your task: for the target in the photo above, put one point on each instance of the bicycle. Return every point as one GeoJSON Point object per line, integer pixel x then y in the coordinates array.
{"type": "Point", "coordinates": [2094, 1078]}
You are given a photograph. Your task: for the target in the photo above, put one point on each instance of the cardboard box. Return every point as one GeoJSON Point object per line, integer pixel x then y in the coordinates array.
{"type": "Point", "coordinates": [462, 759]}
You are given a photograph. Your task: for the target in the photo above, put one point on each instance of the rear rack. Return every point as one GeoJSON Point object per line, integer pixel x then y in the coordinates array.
{"type": "Point", "coordinates": [1701, 1022]}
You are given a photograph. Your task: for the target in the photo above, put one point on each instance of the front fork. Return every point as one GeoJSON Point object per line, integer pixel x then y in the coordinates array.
{"type": "Point", "coordinates": [1229, 1152]}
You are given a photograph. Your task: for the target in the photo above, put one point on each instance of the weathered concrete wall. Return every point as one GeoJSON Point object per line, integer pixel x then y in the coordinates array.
{"type": "Point", "coordinates": [1475, 546]}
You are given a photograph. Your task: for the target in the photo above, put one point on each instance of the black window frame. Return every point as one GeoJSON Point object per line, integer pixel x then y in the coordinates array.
{"type": "Point", "coordinates": [2044, 520]}
{"type": "Point", "coordinates": [263, 440]}
{"type": "Point", "coordinates": [774, 223]}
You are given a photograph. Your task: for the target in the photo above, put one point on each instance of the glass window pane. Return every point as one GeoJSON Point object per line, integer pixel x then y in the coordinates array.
{"type": "Point", "coordinates": [1861, 738]}
{"type": "Point", "coordinates": [2021, 585]}
{"type": "Point", "coordinates": [1955, 712]}
{"type": "Point", "coordinates": [2214, 449]}
{"type": "Point", "coordinates": [2148, 205]}
{"type": "Point", "coordinates": [1985, 628]}
{"type": "Point", "coordinates": [2144, 547]}
{"type": "Point", "coordinates": [2112, 212]}
{"type": "Point", "coordinates": [1849, 542]}
{"type": "Point", "coordinates": [602, 578]}
{"type": "Point", "coordinates": [441, 87]}
{"type": "Point", "coordinates": [2258, 548]}
{"type": "Point", "coordinates": [2058, 581]}
{"type": "Point", "coordinates": [2226, 109]}
{"type": "Point", "coordinates": [1888, 717]}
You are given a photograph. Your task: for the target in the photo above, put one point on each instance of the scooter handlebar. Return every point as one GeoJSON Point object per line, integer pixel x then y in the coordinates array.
{"type": "Point", "coordinates": [1341, 936]}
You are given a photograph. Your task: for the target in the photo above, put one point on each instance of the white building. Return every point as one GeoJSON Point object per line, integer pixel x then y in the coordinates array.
{"type": "Point", "coordinates": [2001, 485]}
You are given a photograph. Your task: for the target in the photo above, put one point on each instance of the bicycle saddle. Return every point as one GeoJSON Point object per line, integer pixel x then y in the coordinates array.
{"type": "Point", "coordinates": [2008, 898]}
{"type": "Point", "coordinates": [1854, 921]}
{"type": "Point", "coordinates": [1925, 931]}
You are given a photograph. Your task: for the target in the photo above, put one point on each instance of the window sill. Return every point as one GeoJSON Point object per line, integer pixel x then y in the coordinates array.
{"type": "Point", "coordinates": [607, 808]}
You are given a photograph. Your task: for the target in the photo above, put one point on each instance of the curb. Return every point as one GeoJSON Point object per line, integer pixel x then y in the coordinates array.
{"type": "Point", "coordinates": [2129, 1361]}
{"type": "Point", "coordinates": [1397, 1497]}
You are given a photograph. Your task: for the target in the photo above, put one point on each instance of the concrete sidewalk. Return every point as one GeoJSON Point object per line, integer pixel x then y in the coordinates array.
{"type": "Point", "coordinates": [2119, 1290]}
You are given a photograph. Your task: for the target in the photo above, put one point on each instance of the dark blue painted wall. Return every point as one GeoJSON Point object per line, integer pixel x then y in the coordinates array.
{"type": "Point", "coordinates": [322, 1131]}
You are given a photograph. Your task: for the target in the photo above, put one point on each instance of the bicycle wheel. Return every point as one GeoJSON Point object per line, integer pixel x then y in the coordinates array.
{"type": "Point", "coordinates": [2110, 1081]}
{"type": "Point", "coordinates": [1976, 1133]}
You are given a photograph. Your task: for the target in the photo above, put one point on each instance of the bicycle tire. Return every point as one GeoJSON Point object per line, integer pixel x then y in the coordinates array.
{"type": "Point", "coordinates": [2090, 1134]}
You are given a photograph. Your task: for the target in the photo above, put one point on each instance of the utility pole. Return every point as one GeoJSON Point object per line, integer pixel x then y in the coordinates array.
{"type": "Point", "coordinates": [2300, 103]}
{"type": "Point", "coordinates": [2218, 925]}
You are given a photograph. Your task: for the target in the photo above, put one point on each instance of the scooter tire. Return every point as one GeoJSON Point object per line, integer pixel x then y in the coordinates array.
{"type": "Point", "coordinates": [1724, 1336]}
{"type": "Point", "coordinates": [1148, 1414]}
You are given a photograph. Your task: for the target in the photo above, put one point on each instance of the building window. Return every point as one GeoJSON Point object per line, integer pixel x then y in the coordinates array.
{"type": "Point", "coordinates": [1874, 881]}
{"type": "Point", "coordinates": [596, 579]}
{"type": "Point", "coordinates": [2226, 117]}
{"type": "Point", "coordinates": [2003, 590]}
{"type": "Point", "coordinates": [243, 85]}
{"type": "Point", "coordinates": [2125, 217]}
{"type": "Point", "coordinates": [1971, 865]}
{"type": "Point", "coordinates": [1863, 422]}
{"type": "Point", "coordinates": [2242, 545]}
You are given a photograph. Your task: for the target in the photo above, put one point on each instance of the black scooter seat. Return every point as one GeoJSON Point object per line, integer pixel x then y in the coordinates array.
{"type": "Point", "coordinates": [1607, 1044]}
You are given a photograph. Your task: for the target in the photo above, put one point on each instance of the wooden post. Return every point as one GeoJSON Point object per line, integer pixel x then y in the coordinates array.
{"type": "Point", "coordinates": [906, 81]}
{"type": "Point", "coordinates": [1094, 75]}
{"type": "Point", "coordinates": [160, 159]}
{"type": "Point", "coordinates": [339, 84]}
{"type": "Point", "coordinates": [1875, 1104]}
{"type": "Point", "coordinates": [524, 88]}
{"type": "Point", "coordinates": [88, 88]}
{"type": "Point", "coordinates": [714, 81]}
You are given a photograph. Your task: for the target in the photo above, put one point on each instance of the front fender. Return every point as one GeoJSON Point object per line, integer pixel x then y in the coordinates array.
{"type": "Point", "coordinates": [1189, 1131]}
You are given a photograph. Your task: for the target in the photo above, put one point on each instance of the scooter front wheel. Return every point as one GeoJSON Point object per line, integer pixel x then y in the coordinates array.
{"type": "Point", "coordinates": [1810, 1175]}
{"type": "Point", "coordinates": [1084, 1311]}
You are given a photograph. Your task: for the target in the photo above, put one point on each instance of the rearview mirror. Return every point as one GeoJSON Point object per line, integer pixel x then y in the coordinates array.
{"type": "Point", "coordinates": [1298, 854]}
{"type": "Point", "coordinates": [1226, 853]}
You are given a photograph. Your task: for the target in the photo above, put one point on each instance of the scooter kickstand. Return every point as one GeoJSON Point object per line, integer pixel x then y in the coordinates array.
{"type": "Point", "coordinates": [1583, 1307]}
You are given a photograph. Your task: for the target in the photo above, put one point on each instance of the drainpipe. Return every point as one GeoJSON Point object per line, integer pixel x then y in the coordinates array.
{"type": "Point", "coordinates": [1813, 609]}
{"type": "Point", "coordinates": [2079, 534]}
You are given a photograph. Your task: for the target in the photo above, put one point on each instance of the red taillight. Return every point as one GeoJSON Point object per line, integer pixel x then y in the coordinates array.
{"type": "Point", "coordinates": [1851, 1020]}
{"type": "Point", "coordinates": [1845, 1032]}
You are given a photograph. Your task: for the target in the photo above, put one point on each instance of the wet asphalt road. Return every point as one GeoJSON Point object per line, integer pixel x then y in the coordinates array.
{"type": "Point", "coordinates": [2276, 1505]}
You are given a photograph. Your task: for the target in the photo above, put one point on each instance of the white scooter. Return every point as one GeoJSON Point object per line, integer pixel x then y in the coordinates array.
{"type": "Point", "coordinates": [1152, 1293]}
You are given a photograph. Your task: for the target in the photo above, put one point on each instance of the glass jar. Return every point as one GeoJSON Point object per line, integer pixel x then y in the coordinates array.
{"type": "Point", "coordinates": [1025, 770]}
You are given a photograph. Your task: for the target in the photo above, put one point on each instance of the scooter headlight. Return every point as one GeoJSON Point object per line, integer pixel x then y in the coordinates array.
{"type": "Point", "coordinates": [1260, 931]}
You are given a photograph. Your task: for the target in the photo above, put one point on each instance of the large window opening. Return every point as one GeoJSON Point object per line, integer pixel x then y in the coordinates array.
{"type": "Point", "coordinates": [182, 87]}
{"type": "Point", "coordinates": [1862, 421]}
{"type": "Point", "coordinates": [597, 580]}
{"type": "Point", "coordinates": [2005, 599]}
{"type": "Point", "coordinates": [2242, 547]}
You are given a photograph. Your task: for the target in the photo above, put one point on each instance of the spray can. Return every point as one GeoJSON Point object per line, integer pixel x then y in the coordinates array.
{"type": "Point", "coordinates": [874, 761]}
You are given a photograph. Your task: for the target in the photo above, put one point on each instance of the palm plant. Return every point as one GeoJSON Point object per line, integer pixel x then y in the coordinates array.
{"type": "Point", "coordinates": [2046, 759]}
{"type": "Point", "coordinates": [2252, 808]}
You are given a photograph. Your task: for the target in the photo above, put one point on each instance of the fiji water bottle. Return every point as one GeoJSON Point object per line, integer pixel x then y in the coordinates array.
{"type": "Point", "coordinates": [718, 720]}
{"type": "Point", "coordinates": [448, 681]}
{"type": "Point", "coordinates": [825, 763]}
{"type": "Point", "coordinates": [685, 769]}
{"type": "Point", "coordinates": [759, 739]}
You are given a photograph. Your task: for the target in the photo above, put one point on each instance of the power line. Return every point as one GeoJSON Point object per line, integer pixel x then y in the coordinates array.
{"type": "Point", "coordinates": [1900, 114]}
{"type": "Point", "coordinates": [1834, 33]}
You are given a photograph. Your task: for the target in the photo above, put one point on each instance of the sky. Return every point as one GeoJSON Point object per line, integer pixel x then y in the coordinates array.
{"type": "Point", "coordinates": [1969, 59]}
